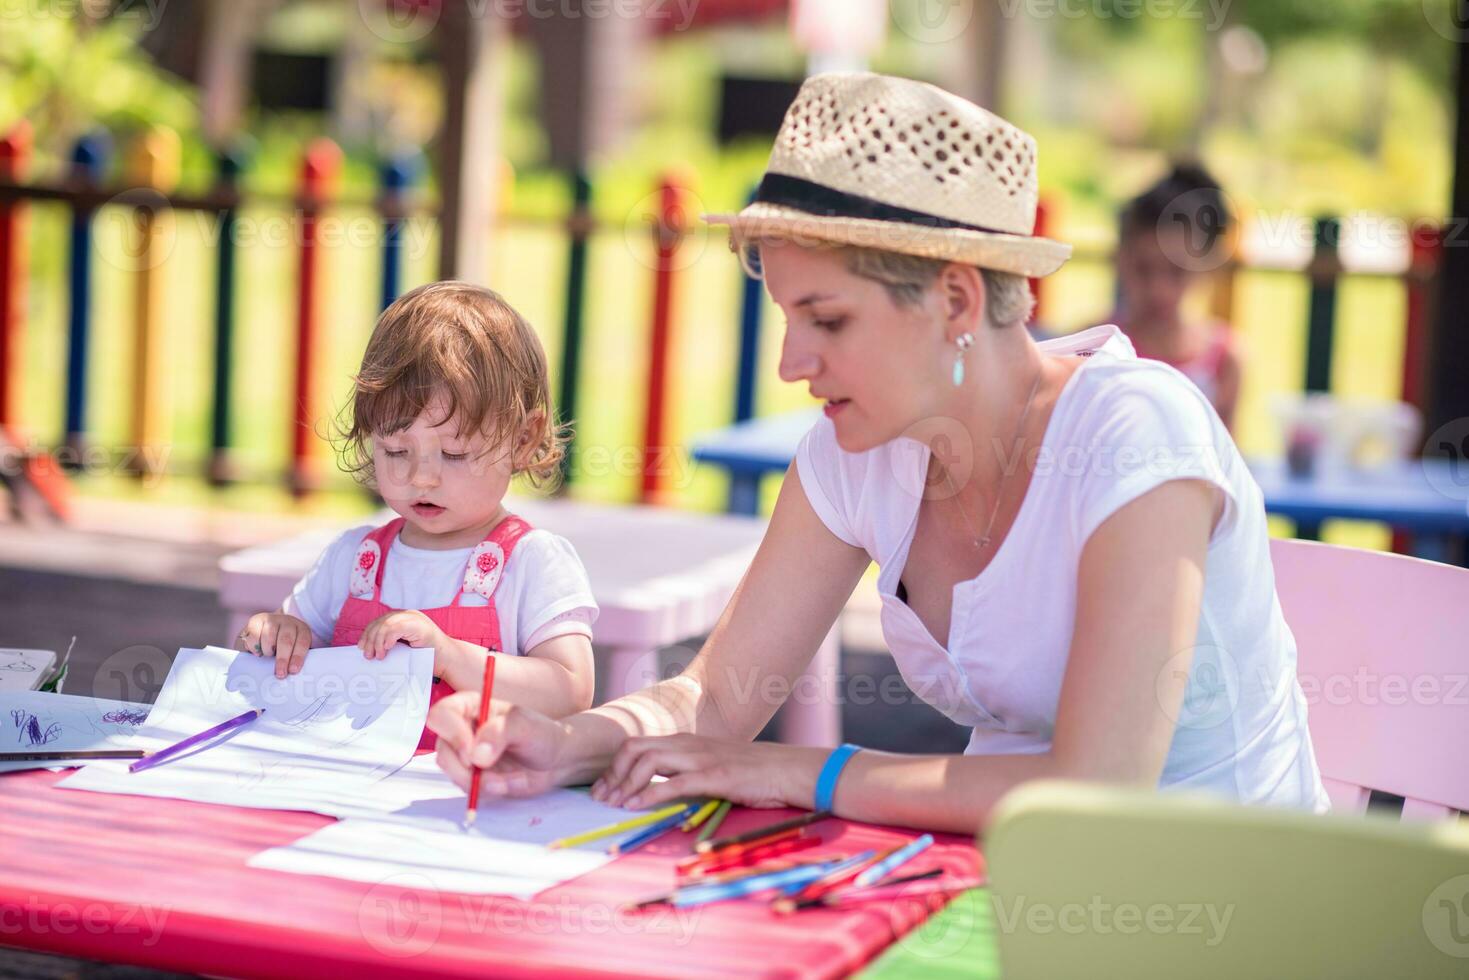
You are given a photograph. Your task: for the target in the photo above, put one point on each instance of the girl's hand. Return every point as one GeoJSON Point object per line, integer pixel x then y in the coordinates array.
{"type": "Point", "coordinates": [277, 635]}
{"type": "Point", "coordinates": [517, 747]}
{"type": "Point", "coordinates": [758, 774]}
{"type": "Point", "coordinates": [408, 626]}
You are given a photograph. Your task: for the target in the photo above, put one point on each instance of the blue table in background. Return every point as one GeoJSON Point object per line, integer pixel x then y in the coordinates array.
{"type": "Point", "coordinates": [1405, 496]}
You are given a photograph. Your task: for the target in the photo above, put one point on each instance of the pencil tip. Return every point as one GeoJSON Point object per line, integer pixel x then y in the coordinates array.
{"type": "Point", "coordinates": [468, 819]}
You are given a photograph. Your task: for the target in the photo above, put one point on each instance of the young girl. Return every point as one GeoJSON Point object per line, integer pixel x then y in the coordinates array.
{"type": "Point", "coordinates": [452, 401]}
{"type": "Point", "coordinates": [1167, 237]}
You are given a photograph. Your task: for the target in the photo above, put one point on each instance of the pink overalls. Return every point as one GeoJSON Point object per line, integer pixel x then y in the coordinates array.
{"type": "Point", "coordinates": [474, 624]}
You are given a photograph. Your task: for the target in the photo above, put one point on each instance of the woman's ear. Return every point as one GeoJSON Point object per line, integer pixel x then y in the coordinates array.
{"type": "Point", "coordinates": [960, 290]}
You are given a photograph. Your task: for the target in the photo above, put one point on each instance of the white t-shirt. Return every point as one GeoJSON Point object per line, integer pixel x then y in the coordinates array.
{"type": "Point", "coordinates": [542, 593]}
{"type": "Point", "coordinates": [1121, 427]}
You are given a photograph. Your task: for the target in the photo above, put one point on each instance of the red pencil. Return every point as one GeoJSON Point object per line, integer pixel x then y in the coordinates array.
{"type": "Point", "coordinates": [487, 691]}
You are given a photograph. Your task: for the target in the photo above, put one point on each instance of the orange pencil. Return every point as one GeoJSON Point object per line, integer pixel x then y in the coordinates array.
{"type": "Point", "coordinates": [486, 692]}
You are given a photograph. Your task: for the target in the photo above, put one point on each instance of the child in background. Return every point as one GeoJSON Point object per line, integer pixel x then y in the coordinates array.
{"type": "Point", "coordinates": [451, 403]}
{"type": "Point", "coordinates": [1168, 236]}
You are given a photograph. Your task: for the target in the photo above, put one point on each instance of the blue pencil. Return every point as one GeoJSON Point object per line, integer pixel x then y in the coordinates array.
{"type": "Point", "coordinates": [652, 830]}
{"type": "Point", "coordinates": [704, 894]}
{"type": "Point", "coordinates": [893, 861]}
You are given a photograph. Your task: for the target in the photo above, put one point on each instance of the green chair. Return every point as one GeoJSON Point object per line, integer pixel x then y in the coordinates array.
{"type": "Point", "coordinates": [1102, 882]}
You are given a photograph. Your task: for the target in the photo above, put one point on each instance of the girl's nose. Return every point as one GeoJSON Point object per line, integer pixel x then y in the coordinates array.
{"type": "Point", "coordinates": [425, 471]}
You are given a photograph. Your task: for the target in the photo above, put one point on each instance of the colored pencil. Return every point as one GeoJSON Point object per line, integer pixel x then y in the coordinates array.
{"type": "Point", "coordinates": [54, 756]}
{"type": "Point", "coordinates": [826, 883]}
{"type": "Point", "coordinates": [763, 853]}
{"type": "Point", "coordinates": [486, 692]}
{"type": "Point", "coordinates": [889, 891]}
{"type": "Point", "coordinates": [700, 815]}
{"type": "Point", "coordinates": [621, 827]}
{"type": "Point", "coordinates": [169, 752]}
{"type": "Point", "coordinates": [893, 861]}
{"type": "Point", "coordinates": [704, 894]}
{"type": "Point", "coordinates": [760, 833]}
{"type": "Point", "coordinates": [735, 850]}
{"type": "Point", "coordinates": [654, 831]}
{"type": "Point", "coordinates": [711, 826]}
{"type": "Point", "coordinates": [730, 876]}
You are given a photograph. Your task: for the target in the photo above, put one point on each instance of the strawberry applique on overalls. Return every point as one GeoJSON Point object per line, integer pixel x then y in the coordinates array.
{"type": "Point", "coordinates": [474, 624]}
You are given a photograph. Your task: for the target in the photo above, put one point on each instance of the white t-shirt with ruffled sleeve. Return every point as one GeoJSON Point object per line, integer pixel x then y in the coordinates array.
{"type": "Point", "coordinates": [1121, 427]}
{"type": "Point", "coordinates": [542, 594]}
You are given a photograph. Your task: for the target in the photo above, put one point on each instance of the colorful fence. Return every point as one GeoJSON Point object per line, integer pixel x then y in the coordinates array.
{"type": "Point", "coordinates": [151, 202]}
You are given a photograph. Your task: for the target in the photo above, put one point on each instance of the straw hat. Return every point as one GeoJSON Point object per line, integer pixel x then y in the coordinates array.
{"type": "Point", "coordinates": [894, 164]}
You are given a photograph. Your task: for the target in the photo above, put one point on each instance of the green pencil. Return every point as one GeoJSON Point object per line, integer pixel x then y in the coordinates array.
{"type": "Point", "coordinates": [712, 824]}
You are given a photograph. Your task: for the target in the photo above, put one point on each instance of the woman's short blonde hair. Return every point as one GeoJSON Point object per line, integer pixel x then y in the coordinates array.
{"type": "Point", "coordinates": [1007, 296]}
{"type": "Point", "coordinates": [466, 344]}
{"type": "Point", "coordinates": [1008, 299]}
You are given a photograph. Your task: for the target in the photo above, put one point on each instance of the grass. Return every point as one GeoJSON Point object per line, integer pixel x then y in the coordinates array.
{"type": "Point", "coordinates": [528, 264]}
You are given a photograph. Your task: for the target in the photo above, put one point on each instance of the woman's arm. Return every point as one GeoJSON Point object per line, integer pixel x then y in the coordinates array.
{"type": "Point", "coordinates": [798, 582]}
{"type": "Point", "coordinates": [1139, 589]}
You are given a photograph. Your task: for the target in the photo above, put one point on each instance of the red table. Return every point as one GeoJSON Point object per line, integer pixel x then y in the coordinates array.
{"type": "Point", "coordinates": [163, 883]}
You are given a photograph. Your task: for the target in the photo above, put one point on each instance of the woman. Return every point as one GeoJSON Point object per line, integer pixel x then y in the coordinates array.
{"type": "Point", "coordinates": [1073, 522]}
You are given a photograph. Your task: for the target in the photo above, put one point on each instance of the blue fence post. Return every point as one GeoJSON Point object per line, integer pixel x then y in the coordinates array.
{"type": "Point", "coordinates": [88, 167]}
{"type": "Point", "coordinates": [231, 164]}
{"type": "Point", "coordinates": [397, 174]}
{"type": "Point", "coordinates": [744, 489]}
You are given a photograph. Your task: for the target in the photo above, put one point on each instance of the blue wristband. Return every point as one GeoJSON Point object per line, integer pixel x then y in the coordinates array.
{"type": "Point", "coordinates": [826, 783]}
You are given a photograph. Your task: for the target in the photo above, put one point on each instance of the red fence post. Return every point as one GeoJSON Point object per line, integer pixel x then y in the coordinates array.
{"type": "Point", "coordinates": [1420, 279]}
{"type": "Point", "coordinates": [319, 169]}
{"type": "Point", "coordinates": [1042, 227]}
{"type": "Point", "coordinates": [15, 153]}
{"type": "Point", "coordinates": [670, 229]}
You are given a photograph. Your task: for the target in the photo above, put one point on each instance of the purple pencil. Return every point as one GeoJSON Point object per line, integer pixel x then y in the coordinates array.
{"type": "Point", "coordinates": [168, 752]}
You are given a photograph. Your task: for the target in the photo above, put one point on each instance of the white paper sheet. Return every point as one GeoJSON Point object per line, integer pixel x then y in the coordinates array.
{"type": "Point", "coordinates": [44, 722]}
{"type": "Point", "coordinates": [422, 840]}
{"type": "Point", "coordinates": [338, 726]}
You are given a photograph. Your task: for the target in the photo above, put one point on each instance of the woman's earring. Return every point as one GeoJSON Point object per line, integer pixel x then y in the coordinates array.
{"type": "Point", "coordinates": [964, 342]}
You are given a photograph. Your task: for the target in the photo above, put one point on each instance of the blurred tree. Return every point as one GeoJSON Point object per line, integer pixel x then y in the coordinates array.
{"type": "Point", "coordinates": [69, 73]}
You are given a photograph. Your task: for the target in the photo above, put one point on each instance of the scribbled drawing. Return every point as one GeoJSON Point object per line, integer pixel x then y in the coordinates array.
{"type": "Point", "coordinates": [31, 732]}
{"type": "Point", "coordinates": [312, 713]}
{"type": "Point", "coordinates": [20, 666]}
{"type": "Point", "coordinates": [125, 716]}
{"type": "Point", "coordinates": [534, 822]}
{"type": "Point", "coordinates": [18, 717]}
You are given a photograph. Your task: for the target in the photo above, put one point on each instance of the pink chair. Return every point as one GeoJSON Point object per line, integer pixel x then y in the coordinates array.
{"type": "Point", "coordinates": [1384, 660]}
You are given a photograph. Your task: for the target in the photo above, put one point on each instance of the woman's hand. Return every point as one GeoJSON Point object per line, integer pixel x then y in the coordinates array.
{"type": "Point", "coordinates": [408, 626]}
{"type": "Point", "coordinates": [518, 748]}
{"type": "Point", "coordinates": [277, 635]}
{"type": "Point", "coordinates": [758, 774]}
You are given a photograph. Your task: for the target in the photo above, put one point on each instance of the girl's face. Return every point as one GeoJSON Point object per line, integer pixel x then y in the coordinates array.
{"type": "Point", "coordinates": [1152, 279]}
{"type": "Point", "coordinates": [875, 364]}
{"type": "Point", "coordinates": [447, 484]}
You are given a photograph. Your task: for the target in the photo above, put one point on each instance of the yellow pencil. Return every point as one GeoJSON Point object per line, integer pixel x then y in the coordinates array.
{"type": "Point", "coordinates": [642, 820]}
{"type": "Point", "coordinates": [700, 815]}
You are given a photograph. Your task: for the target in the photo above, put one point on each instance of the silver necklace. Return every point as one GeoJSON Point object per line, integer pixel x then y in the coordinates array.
{"type": "Point", "coordinates": [983, 540]}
